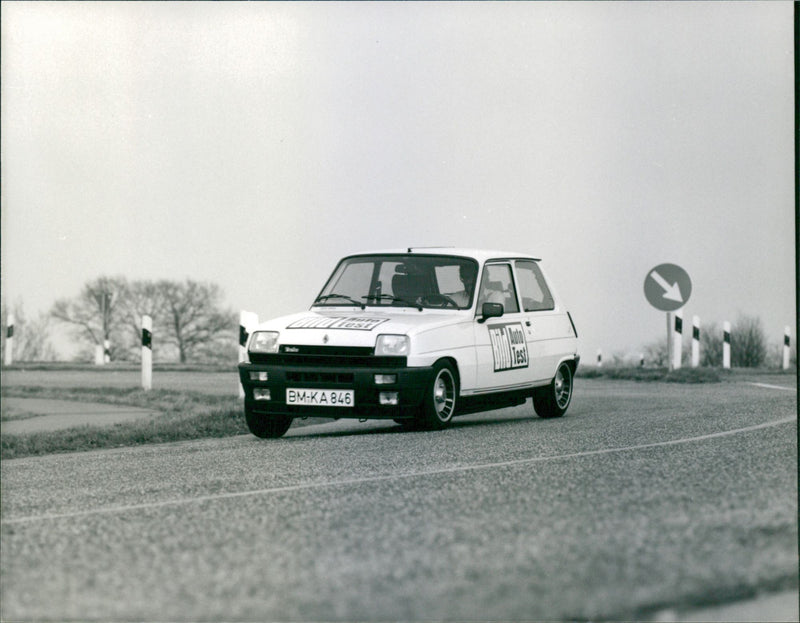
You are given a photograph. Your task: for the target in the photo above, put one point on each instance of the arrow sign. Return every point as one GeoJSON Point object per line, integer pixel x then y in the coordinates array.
{"type": "Point", "coordinates": [672, 291]}
{"type": "Point", "coordinates": [667, 287]}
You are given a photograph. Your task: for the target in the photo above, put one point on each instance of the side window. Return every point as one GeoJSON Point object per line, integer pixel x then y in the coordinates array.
{"type": "Point", "coordinates": [535, 294]}
{"type": "Point", "coordinates": [497, 286]}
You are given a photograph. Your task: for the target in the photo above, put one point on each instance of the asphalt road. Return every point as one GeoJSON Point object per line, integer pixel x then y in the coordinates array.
{"type": "Point", "coordinates": [644, 498]}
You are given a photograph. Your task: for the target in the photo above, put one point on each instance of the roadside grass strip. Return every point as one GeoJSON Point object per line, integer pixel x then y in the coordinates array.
{"type": "Point", "coordinates": [686, 375]}
{"type": "Point", "coordinates": [392, 476]}
{"type": "Point", "coordinates": [182, 416]}
{"type": "Point", "coordinates": [636, 373]}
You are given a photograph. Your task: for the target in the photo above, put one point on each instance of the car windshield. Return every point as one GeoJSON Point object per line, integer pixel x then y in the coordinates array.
{"type": "Point", "coordinates": [421, 281]}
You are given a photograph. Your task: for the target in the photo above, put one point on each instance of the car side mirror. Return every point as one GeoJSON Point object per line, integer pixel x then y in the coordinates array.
{"type": "Point", "coordinates": [490, 310]}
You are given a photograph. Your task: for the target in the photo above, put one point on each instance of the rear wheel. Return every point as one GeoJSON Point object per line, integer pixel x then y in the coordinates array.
{"type": "Point", "coordinates": [267, 426]}
{"type": "Point", "coordinates": [553, 400]}
{"type": "Point", "coordinates": [439, 403]}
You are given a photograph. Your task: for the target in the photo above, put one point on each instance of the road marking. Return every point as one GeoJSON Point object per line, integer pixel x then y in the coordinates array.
{"type": "Point", "coordinates": [370, 479]}
{"type": "Point", "coordinates": [768, 386]}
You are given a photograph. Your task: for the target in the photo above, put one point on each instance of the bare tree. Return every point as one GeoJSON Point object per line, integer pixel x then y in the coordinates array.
{"type": "Point", "coordinates": [194, 316]}
{"type": "Point", "coordinates": [748, 343]}
{"type": "Point", "coordinates": [95, 313]}
{"type": "Point", "coordinates": [141, 298]}
{"type": "Point", "coordinates": [187, 316]}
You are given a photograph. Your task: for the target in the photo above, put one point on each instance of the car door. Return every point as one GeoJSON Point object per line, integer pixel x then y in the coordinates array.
{"type": "Point", "coordinates": [500, 343]}
{"type": "Point", "coordinates": [544, 323]}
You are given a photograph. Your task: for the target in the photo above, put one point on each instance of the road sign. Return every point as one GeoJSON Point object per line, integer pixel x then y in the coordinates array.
{"type": "Point", "coordinates": [667, 287]}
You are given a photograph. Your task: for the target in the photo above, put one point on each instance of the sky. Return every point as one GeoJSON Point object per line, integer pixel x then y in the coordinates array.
{"type": "Point", "coordinates": [254, 144]}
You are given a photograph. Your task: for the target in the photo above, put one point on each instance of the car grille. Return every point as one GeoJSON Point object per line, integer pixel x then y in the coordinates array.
{"type": "Point", "coordinates": [328, 356]}
{"type": "Point", "coordinates": [331, 378]}
{"type": "Point", "coordinates": [334, 351]}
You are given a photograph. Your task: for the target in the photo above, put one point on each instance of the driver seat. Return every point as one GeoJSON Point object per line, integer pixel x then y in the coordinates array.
{"type": "Point", "coordinates": [406, 287]}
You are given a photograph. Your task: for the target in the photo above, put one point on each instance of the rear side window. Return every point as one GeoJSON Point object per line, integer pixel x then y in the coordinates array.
{"type": "Point", "coordinates": [533, 288]}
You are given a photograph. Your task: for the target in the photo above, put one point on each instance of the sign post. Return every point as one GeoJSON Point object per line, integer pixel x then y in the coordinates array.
{"type": "Point", "coordinates": [670, 340]}
{"type": "Point", "coordinates": [667, 287]}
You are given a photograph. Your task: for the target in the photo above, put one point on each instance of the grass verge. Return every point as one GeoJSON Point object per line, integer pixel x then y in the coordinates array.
{"type": "Point", "coordinates": [687, 374]}
{"type": "Point", "coordinates": [184, 415]}
{"type": "Point", "coordinates": [632, 373]}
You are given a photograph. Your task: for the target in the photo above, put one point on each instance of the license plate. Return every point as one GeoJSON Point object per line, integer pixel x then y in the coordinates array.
{"type": "Point", "coordinates": [320, 397]}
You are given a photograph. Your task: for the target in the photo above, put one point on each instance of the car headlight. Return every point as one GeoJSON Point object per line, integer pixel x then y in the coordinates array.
{"type": "Point", "coordinates": [392, 345]}
{"type": "Point", "coordinates": [264, 342]}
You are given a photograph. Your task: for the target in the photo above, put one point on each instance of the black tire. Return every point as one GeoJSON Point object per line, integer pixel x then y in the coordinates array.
{"type": "Point", "coordinates": [553, 400]}
{"type": "Point", "coordinates": [267, 426]}
{"type": "Point", "coordinates": [441, 396]}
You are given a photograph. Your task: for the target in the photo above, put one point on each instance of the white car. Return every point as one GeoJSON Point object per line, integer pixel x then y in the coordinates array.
{"type": "Point", "coordinates": [406, 336]}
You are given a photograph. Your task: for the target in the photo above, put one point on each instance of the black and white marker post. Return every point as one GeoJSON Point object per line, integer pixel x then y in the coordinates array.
{"type": "Point", "coordinates": [9, 354]}
{"type": "Point", "coordinates": [678, 340]}
{"type": "Point", "coordinates": [726, 344]}
{"type": "Point", "coordinates": [787, 343]}
{"type": "Point", "coordinates": [147, 353]}
{"type": "Point", "coordinates": [102, 351]}
{"type": "Point", "coordinates": [695, 341]}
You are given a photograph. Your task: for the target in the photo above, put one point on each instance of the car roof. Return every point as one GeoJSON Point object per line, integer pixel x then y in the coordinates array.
{"type": "Point", "coordinates": [481, 255]}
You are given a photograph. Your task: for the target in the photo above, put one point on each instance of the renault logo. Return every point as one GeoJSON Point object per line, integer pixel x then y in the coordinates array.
{"type": "Point", "coordinates": [325, 339]}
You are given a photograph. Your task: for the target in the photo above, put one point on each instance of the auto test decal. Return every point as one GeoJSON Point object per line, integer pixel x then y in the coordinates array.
{"type": "Point", "coordinates": [356, 323]}
{"type": "Point", "coordinates": [509, 348]}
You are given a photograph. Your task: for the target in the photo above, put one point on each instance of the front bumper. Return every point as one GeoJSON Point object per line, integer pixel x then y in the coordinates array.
{"type": "Point", "coordinates": [410, 387]}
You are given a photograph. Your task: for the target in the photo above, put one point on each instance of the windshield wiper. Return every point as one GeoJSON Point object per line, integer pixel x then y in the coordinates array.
{"type": "Point", "coordinates": [393, 298]}
{"type": "Point", "coordinates": [325, 297]}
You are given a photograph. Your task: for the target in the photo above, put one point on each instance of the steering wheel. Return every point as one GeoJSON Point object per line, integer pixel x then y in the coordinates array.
{"type": "Point", "coordinates": [438, 300]}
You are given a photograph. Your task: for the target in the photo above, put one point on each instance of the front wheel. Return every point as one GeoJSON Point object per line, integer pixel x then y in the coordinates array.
{"type": "Point", "coordinates": [267, 426]}
{"type": "Point", "coordinates": [553, 400]}
{"type": "Point", "coordinates": [439, 403]}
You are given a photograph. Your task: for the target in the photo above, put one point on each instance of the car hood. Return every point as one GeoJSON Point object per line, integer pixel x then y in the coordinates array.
{"type": "Point", "coordinates": [357, 327]}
